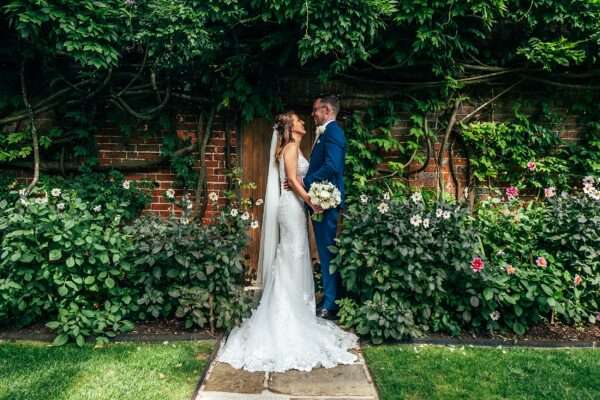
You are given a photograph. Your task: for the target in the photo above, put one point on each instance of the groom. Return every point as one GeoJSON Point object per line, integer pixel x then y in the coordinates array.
{"type": "Point", "coordinates": [327, 164]}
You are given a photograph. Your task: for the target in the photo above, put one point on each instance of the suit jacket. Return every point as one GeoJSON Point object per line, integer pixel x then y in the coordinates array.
{"type": "Point", "coordinates": [327, 159]}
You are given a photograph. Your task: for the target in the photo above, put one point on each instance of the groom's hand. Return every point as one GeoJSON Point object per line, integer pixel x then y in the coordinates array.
{"type": "Point", "coordinates": [286, 184]}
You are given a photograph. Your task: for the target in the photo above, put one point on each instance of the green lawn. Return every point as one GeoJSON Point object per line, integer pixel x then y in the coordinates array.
{"type": "Point", "coordinates": [437, 372]}
{"type": "Point", "coordinates": [132, 371]}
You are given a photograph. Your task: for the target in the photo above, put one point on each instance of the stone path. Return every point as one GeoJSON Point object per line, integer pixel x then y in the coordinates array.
{"type": "Point", "coordinates": [223, 382]}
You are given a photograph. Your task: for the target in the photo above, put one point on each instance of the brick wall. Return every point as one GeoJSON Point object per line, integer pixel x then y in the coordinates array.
{"type": "Point", "coordinates": [114, 148]}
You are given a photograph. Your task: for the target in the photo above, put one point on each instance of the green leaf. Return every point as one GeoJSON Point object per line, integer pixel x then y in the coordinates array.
{"type": "Point", "coordinates": [63, 291]}
{"type": "Point", "coordinates": [110, 283]}
{"type": "Point", "coordinates": [488, 294]}
{"type": "Point", "coordinates": [70, 262]}
{"type": "Point", "coordinates": [60, 340]}
{"type": "Point", "coordinates": [55, 255]}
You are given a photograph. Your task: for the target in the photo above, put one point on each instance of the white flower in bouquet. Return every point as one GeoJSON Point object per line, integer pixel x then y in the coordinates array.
{"type": "Point", "coordinates": [416, 220]}
{"type": "Point", "coordinates": [383, 207]}
{"type": "Point", "coordinates": [55, 192]}
{"type": "Point", "coordinates": [245, 216]}
{"type": "Point", "coordinates": [170, 193]}
{"type": "Point", "coordinates": [126, 184]}
{"type": "Point", "coordinates": [446, 215]}
{"type": "Point", "coordinates": [254, 224]}
{"type": "Point", "coordinates": [234, 212]}
{"type": "Point", "coordinates": [439, 212]}
{"type": "Point", "coordinates": [259, 202]}
{"type": "Point", "coordinates": [324, 195]}
{"type": "Point", "coordinates": [426, 223]}
{"type": "Point", "coordinates": [364, 199]}
{"type": "Point", "coordinates": [212, 196]}
{"type": "Point", "coordinates": [416, 197]}
{"type": "Point", "coordinates": [60, 206]}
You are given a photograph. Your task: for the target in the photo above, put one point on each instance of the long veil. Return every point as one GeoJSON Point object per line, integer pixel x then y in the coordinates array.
{"type": "Point", "coordinates": [269, 236]}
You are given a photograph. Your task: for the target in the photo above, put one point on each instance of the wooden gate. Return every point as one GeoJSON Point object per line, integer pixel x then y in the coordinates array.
{"type": "Point", "coordinates": [255, 145]}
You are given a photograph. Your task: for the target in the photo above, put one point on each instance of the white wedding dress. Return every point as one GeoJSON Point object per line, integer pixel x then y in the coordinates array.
{"type": "Point", "coordinates": [283, 332]}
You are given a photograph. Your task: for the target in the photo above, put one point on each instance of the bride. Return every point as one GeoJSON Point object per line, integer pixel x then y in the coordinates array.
{"type": "Point", "coordinates": [283, 332]}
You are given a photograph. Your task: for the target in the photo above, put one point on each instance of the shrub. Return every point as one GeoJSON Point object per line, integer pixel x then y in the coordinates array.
{"type": "Point", "coordinates": [191, 271]}
{"type": "Point", "coordinates": [395, 258]}
{"type": "Point", "coordinates": [62, 258]}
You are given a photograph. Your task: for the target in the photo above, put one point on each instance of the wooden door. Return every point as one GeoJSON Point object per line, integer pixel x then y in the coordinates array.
{"type": "Point", "coordinates": [255, 146]}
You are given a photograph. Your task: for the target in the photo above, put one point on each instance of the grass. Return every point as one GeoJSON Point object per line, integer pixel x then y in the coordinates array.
{"type": "Point", "coordinates": [34, 370]}
{"type": "Point", "coordinates": [437, 372]}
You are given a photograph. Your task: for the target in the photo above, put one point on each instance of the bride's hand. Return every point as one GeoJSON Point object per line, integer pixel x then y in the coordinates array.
{"type": "Point", "coordinates": [314, 207]}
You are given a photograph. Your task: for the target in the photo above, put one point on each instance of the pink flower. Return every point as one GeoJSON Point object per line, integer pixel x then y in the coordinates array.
{"type": "Point", "coordinates": [531, 165]}
{"type": "Point", "coordinates": [477, 264]}
{"type": "Point", "coordinates": [541, 262]}
{"type": "Point", "coordinates": [577, 281]}
{"type": "Point", "coordinates": [512, 192]}
{"type": "Point", "coordinates": [510, 270]}
{"type": "Point", "coordinates": [550, 192]}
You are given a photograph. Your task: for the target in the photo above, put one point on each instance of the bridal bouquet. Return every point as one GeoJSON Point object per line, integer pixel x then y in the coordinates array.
{"type": "Point", "coordinates": [324, 195]}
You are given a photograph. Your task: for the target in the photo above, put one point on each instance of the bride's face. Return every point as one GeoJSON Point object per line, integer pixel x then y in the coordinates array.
{"type": "Point", "coordinates": [298, 126]}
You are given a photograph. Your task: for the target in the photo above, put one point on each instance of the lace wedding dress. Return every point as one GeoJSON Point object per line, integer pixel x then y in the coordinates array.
{"type": "Point", "coordinates": [283, 332]}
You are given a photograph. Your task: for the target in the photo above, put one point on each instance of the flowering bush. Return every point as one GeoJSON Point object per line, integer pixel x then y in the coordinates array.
{"type": "Point", "coordinates": [395, 257]}
{"type": "Point", "coordinates": [411, 266]}
{"type": "Point", "coordinates": [64, 259]}
{"type": "Point", "coordinates": [75, 265]}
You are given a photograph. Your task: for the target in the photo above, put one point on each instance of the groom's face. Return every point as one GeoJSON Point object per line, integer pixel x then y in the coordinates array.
{"type": "Point", "coordinates": [318, 112]}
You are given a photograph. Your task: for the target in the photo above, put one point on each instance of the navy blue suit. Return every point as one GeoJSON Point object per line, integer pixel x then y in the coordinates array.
{"type": "Point", "coordinates": [327, 164]}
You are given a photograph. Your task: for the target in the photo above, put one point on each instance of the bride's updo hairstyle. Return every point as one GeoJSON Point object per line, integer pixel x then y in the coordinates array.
{"type": "Point", "coordinates": [283, 124]}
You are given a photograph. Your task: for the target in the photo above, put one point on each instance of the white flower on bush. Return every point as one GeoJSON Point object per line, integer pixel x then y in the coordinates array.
{"type": "Point", "coordinates": [184, 221]}
{"type": "Point", "coordinates": [60, 206]}
{"type": "Point", "coordinates": [364, 199]}
{"type": "Point", "coordinates": [170, 193]}
{"type": "Point", "coordinates": [98, 208]}
{"type": "Point", "coordinates": [233, 212]}
{"type": "Point", "coordinates": [426, 223]}
{"type": "Point", "coordinates": [495, 315]}
{"type": "Point", "coordinates": [22, 192]}
{"type": "Point", "coordinates": [550, 192]}
{"type": "Point", "coordinates": [386, 196]}
{"type": "Point", "coordinates": [212, 196]}
{"type": "Point", "coordinates": [55, 192]}
{"type": "Point", "coordinates": [126, 184]}
{"type": "Point", "coordinates": [245, 216]}
{"type": "Point", "coordinates": [439, 212]}
{"type": "Point", "coordinates": [466, 192]}
{"type": "Point", "coordinates": [416, 220]}
{"type": "Point", "coordinates": [41, 200]}
{"type": "Point", "coordinates": [24, 201]}
{"type": "Point", "coordinates": [383, 207]}
{"type": "Point", "coordinates": [588, 181]}
{"type": "Point", "coordinates": [259, 202]}
{"type": "Point", "coordinates": [416, 197]}
{"type": "Point", "coordinates": [446, 214]}
{"type": "Point", "coordinates": [254, 224]}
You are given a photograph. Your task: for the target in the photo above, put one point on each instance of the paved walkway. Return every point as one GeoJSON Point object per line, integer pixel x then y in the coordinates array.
{"type": "Point", "coordinates": [223, 382]}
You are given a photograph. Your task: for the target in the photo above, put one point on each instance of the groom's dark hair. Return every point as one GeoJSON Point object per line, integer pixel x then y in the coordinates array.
{"type": "Point", "coordinates": [333, 102]}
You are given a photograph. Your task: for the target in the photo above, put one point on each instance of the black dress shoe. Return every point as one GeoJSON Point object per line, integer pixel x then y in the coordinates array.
{"type": "Point", "coordinates": [327, 314]}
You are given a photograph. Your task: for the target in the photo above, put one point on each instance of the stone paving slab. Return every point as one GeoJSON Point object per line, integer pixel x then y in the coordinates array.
{"type": "Point", "coordinates": [343, 382]}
